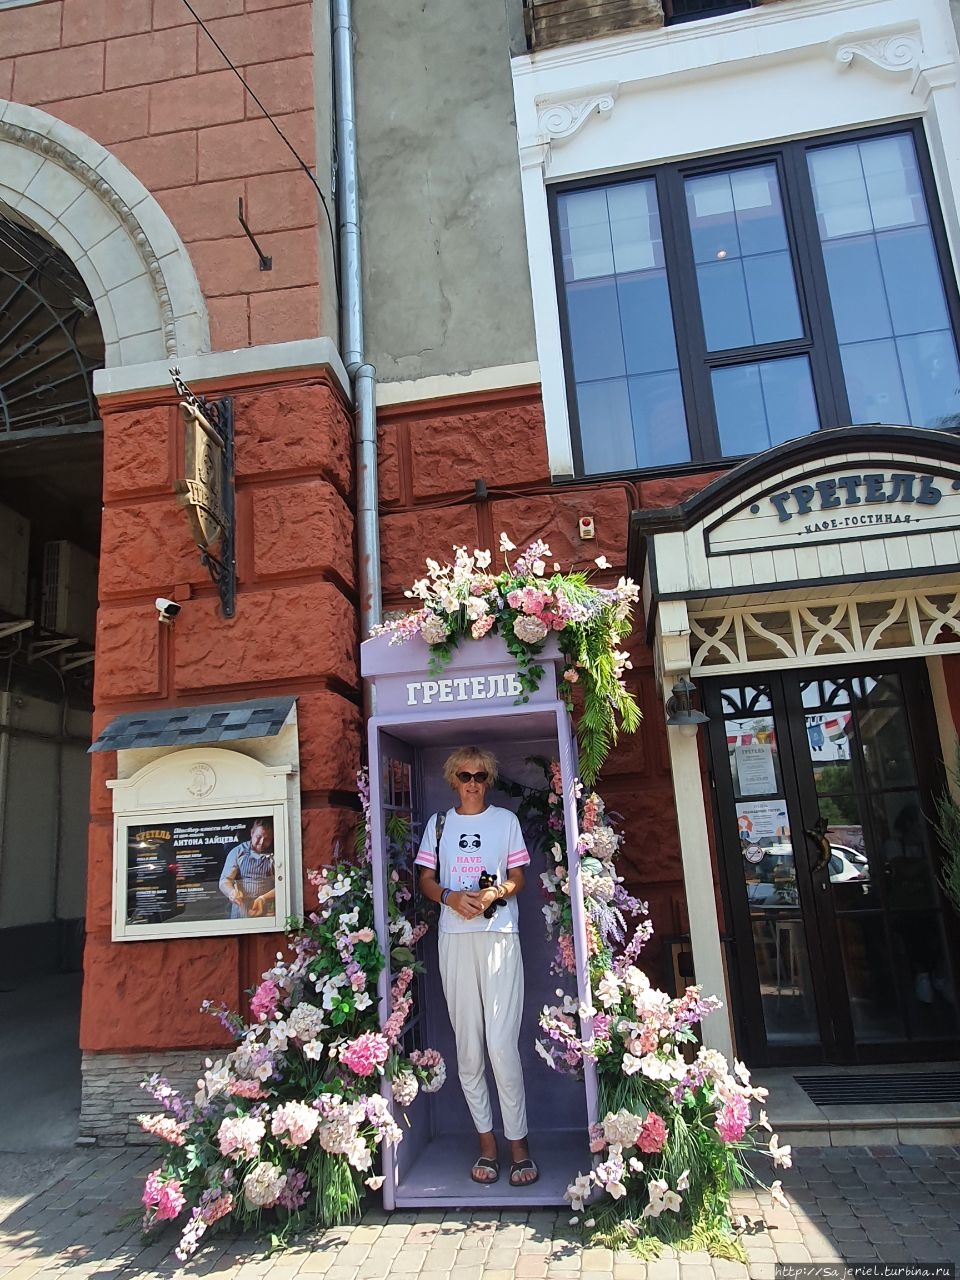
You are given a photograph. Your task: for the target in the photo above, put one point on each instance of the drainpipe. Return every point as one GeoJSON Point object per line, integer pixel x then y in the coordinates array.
{"type": "Point", "coordinates": [351, 326]}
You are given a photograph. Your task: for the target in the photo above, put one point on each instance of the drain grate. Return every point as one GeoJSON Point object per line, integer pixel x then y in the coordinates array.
{"type": "Point", "coordinates": [862, 1090]}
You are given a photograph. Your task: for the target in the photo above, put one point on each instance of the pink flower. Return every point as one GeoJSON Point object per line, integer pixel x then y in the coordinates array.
{"type": "Point", "coordinates": [240, 1136]}
{"type": "Point", "coordinates": [366, 1054]}
{"type": "Point", "coordinates": [265, 999]}
{"type": "Point", "coordinates": [482, 625]}
{"type": "Point", "coordinates": [164, 1127]}
{"type": "Point", "coordinates": [653, 1135]}
{"type": "Point", "coordinates": [733, 1118]}
{"type": "Point", "coordinates": [246, 1089]}
{"type": "Point", "coordinates": [566, 957]}
{"type": "Point", "coordinates": [166, 1198]}
{"type": "Point", "coordinates": [294, 1123]}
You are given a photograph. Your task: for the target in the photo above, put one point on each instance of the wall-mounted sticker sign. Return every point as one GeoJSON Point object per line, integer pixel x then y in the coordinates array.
{"type": "Point", "coordinates": [839, 504]}
{"type": "Point", "coordinates": [762, 820]}
{"type": "Point", "coordinates": [753, 854]}
{"type": "Point", "coordinates": [756, 775]}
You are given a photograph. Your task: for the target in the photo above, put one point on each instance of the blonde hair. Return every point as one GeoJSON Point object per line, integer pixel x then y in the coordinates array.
{"type": "Point", "coordinates": [464, 756]}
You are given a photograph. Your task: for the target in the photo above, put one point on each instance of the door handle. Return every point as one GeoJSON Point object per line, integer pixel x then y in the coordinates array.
{"type": "Point", "coordinates": [817, 834]}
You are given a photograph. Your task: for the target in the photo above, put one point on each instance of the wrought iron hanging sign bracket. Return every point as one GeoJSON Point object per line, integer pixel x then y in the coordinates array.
{"type": "Point", "coordinates": [205, 488]}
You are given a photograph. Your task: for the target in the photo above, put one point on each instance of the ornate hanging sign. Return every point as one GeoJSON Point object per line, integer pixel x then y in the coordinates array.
{"type": "Point", "coordinates": [205, 488]}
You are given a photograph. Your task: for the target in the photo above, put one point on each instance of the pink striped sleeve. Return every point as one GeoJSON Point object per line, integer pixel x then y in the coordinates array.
{"type": "Point", "coordinates": [519, 859]}
{"type": "Point", "coordinates": [427, 856]}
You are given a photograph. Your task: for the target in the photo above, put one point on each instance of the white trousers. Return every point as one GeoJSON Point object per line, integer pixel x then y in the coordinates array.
{"type": "Point", "coordinates": [482, 976]}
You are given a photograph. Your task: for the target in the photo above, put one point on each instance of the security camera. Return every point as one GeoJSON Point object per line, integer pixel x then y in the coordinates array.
{"type": "Point", "coordinates": [167, 609]}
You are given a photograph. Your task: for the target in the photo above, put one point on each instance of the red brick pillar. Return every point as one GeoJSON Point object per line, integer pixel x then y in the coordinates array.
{"type": "Point", "coordinates": [295, 632]}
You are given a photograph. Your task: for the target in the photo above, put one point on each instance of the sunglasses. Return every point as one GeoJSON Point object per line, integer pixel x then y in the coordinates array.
{"type": "Point", "coordinates": [463, 776]}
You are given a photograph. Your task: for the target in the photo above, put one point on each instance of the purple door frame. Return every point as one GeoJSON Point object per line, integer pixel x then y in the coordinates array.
{"type": "Point", "coordinates": [478, 688]}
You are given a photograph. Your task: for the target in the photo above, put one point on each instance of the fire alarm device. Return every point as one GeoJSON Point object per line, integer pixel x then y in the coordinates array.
{"type": "Point", "coordinates": [587, 531]}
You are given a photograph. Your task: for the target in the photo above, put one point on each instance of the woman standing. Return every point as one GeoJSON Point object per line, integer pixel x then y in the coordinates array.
{"type": "Point", "coordinates": [481, 966]}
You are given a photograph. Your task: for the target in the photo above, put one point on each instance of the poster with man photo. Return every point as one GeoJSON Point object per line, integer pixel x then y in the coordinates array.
{"type": "Point", "coordinates": [194, 872]}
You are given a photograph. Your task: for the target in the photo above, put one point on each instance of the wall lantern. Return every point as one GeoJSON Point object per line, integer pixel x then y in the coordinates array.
{"type": "Point", "coordinates": [681, 714]}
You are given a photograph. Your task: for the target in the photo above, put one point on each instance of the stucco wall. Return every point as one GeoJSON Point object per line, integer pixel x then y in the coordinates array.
{"type": "Point", "coordinates": [445, 269]}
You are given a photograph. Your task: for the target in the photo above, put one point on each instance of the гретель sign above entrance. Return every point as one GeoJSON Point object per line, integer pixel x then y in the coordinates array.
{"type": "Point", "coordinates": [837, 505]}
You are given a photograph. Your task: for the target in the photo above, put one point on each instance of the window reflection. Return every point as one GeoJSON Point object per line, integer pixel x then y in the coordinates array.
{"type": "Point", "coordinates": [629, 397]}
{"type": "Point", "coordinates": [897, 348]}
{"type": "Point", "coordinates": [760, 405]}
{"type": "Point", "coordinates": [744, 272]}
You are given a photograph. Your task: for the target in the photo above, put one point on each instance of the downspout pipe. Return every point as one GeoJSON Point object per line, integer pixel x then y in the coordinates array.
{"type": "Point", "coordinates": [360, 370]}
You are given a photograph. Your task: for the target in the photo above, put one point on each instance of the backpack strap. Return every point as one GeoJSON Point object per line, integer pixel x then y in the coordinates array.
{"type": "Point", "coordinates": [441, 822]}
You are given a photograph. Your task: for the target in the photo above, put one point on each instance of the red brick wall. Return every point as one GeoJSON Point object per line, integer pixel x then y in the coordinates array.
{"type": "Point", "coordinates": [294, 632]}
{"type": "Point", "coordinates": [430, 456]}
{"type": "Point", "coordinates": [141, 78]}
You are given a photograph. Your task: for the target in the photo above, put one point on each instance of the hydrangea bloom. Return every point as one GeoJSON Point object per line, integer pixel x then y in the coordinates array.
{"type": "Point", "coordinates": [367, 1054]}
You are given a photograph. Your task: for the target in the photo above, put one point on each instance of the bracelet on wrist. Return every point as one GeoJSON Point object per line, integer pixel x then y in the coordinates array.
{"type": "Point", "coordinates": [444, 895]}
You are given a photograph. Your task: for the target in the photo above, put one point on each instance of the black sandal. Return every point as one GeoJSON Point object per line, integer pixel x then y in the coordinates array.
{"type": "Point", "coordinates": [523, 1166]}
{"type": "Point", "coordinates": [491, 1165]}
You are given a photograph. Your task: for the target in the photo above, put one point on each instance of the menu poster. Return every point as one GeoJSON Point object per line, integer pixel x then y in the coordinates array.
{"type": "Point", "coordinates": [195, 871]}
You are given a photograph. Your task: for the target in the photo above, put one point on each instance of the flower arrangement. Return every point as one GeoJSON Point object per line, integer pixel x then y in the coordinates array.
{"type": "Point", "coordinates": [677, 1125]}
{"type": "Point", "coordinates": [286, 1127]}
{"type": "Point", "coordinates": [524, 603]}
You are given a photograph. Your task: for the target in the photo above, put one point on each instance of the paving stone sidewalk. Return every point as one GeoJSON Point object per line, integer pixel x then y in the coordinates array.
{"type": "Point", "coordinates": [848, 1204]}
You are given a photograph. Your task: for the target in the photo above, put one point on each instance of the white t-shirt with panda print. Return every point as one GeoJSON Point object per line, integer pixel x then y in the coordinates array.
{"type": "Point", "coordinates": [470, 844]}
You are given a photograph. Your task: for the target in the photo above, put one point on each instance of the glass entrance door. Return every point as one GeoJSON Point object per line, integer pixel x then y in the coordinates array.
{"type": "Point", "coordinates": [824, 785]}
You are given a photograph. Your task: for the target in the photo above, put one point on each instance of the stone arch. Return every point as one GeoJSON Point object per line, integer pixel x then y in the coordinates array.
{"type": "Point", "coordinates": [81, 197]}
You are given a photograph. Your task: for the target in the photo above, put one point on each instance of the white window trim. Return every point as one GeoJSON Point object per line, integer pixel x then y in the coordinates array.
{"type": "Point", "coordinates": [794, 69]}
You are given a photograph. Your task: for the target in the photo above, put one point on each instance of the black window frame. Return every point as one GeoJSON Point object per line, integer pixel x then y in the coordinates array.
{"type": "Point", "coordinates": [706, 9]}
{"type": "Point", "coordinates": [695, 362]}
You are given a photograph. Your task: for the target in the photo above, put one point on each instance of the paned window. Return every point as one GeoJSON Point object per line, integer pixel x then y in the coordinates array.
{"type": "Point", "coordinates": [711, 311]}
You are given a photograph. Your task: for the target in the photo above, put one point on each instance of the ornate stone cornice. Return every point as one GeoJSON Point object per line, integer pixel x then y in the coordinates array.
{"type": "Point", "coordinates": [560, 120]}
{"type": "Point", "coordinates": [50, 149]}
{"type": "Point", "coordinates": [887, 53]}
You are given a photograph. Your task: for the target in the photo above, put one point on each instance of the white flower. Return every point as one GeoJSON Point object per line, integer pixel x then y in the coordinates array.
{"type": "Point", "coordinates": [608, 990]}
{"type": "Point", "coordinates": [578, 1190]}
{"type": "Point", "coordinates": [433, 630]}
{"type": "Point", "coordinates": [528, 629]}
{"type": "Point", "coordinates": [654, 1068]}
{"type": "Point", "coordinates": [777, 1196]}
{"type": "Point", "coordinates": [476, 608]}
{"type": "Point", "coordinates": [635, 1165]}
{"type": "Point", "coordinates": [482, 558]}
{"type": "Point", "coordinates": [313, 1049]}
{"type": "Point", "coordinates": [764, 1122]}
{"type": "Point", "coordinates": [672, 1201]}
{"type": "Point", "coordinates": [544, 1054]}
{"type": "Point", "coordinates": [603, 563]}
{"type": "Point", "coordinates": [741, 1072]}
{"type": "Point", "coordinates": [539, 568]}
{"type": "Point", "coordinates": [782, 1158]}
{"type": "Point", "coordinates": [631, 1064]}
{"type": "Point", "coordinates": [420, 589]}
{"type": "Point", "coordinates": [506, 544]}
{"type": "Point", "coordinates": [375, 1182]}
{"type": "Point", "coordinates": [683, 1182]}
{"type": "Point", "coordinates": [362, 1000]}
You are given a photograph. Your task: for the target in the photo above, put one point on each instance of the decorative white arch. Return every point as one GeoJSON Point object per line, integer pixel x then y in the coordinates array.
{"type": "Point", "coordinates": [132, 260]}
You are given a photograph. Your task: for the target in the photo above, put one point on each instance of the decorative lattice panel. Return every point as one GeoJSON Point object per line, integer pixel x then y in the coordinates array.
{"type": "Point", "coordinates": [798, 633]}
